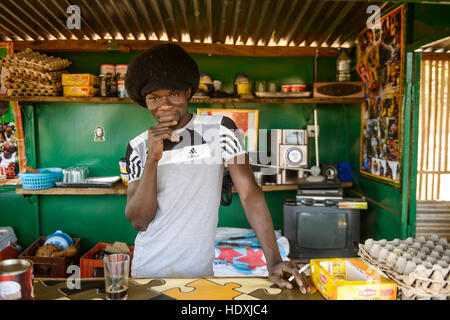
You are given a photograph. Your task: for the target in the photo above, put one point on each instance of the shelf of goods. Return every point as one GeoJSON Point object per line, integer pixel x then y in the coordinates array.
{"type": "Point", "coordinates": [121, 189]}
{"type": "Point", "coordinates": [193, 100]}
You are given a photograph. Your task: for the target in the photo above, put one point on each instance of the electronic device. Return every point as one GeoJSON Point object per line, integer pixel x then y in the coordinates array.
{"type": "Point", "coordinates": [347, 89]}
{"type": "Point", "coordinates": [289, 150]}
{"type": "Point", "coordinates": [320, 231]}
{"type": "Point", "coordinates": [329, 171]}
{"type": "Point", "coordinates": [293, 156]}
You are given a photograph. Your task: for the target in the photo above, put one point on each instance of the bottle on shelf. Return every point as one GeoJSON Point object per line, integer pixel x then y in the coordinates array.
{"type": "Point", "coordinates": [343, 66]}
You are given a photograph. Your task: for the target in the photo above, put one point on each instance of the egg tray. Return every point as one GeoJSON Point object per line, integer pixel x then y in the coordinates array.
{"type": "Point", "coordinates": [32, 92]}
{"type": "Point", "coordinates": [419, 267]}
{"type": "Point", "coordinates": [27, 74]}
{"type": "Point", "coordinates": [35, 60]}
{"type": "Point", "coordinates": [20, 84]}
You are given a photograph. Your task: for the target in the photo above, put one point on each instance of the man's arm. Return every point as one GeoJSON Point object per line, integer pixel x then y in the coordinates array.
{"type": "Point", "coordinates": [258, 215]}
{"type": "Point", "coordinates": [141, 198]}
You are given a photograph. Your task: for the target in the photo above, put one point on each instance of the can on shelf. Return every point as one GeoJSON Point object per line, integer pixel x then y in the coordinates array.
{"type": "Point", "coordinates": [121, 70]}
{"type": "Point", "coordinates": [108, 69]}
{"type": "Point", "coordinates": [105, 85]}
{"type": "Point", "coordinates": [16, 279]}
{"type": "Point", "coordinates": [286, 88]}
{"type": "Point", "coordinates": [121, 91]}
{"type": "Point", "coordinates": [298, 87]}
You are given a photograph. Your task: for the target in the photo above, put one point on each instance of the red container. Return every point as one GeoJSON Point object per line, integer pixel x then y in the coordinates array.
{"type": "Point", "coordinates": [286, 88]}
{"type": "Point", "coordinates": [298, 88]}
{"type": "Point", "coordinates": [16, 279]}
{"type": "Point", "coordinates": [8, 253]}
{"type": "Point", "coordinates": [48, 267]}
{"type": "Point", "coordinates": [92, 268]}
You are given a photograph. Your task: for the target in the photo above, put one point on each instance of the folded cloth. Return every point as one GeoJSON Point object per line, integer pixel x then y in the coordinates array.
{"type": "Point", "coordinates": [239, 253]}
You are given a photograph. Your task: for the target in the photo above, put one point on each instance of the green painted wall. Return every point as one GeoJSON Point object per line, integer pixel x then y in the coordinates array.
{"type": "Point", "coordinates": [430, 20]}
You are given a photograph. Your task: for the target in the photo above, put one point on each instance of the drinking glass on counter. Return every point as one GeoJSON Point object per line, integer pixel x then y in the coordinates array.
{"type": "Point", "coordinates": [117, 269]}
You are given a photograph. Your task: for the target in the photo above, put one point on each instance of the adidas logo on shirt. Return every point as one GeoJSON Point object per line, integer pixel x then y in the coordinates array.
{"type": "Point", "coordinates": [193, 153]}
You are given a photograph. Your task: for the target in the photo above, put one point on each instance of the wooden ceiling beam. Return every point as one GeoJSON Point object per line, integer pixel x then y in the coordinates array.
{"type": "Point", "coordinates": [193, 48]}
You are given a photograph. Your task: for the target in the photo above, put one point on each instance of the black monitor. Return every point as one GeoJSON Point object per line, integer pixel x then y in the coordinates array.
{"type": "Point", "coordinates": [316, 232]}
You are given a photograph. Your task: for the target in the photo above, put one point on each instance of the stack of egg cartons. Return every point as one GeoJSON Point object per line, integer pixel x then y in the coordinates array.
{"type": "Point", "coordinates": [420, 267]}
{"type": "Point", "coordinates": [30, 73]}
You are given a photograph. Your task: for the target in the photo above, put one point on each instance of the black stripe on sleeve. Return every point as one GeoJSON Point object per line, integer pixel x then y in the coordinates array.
{"type": "Point", "coordinates": [127, 157]}
{"type": "Point", "coordinates": [231, 138]}
{"type": "Point", "coordinates": [227, 145]}
{"type": "Point", "coordinates": [133, 163]}
{"type": "Point", "coordinates": [229, 124]}
{"type": "Point", "coordinates": [227, 151]}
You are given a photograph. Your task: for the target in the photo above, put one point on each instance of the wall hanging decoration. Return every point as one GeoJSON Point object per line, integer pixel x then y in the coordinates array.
{"type": "Point", "coordinates": [380, 64]}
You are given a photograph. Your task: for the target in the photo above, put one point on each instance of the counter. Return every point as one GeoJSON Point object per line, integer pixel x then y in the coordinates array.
{"type": "Point", "coordinates": [208, 288]}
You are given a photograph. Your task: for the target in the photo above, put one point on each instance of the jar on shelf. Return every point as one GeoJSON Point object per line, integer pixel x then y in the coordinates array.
{"type": "Point", "coordinates": [242, 84]}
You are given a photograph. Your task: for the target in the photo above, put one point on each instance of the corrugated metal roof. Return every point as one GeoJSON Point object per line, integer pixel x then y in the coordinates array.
{"type": "Point", "coordinates": [442, 45]}
{"type": "Point", "coordinates": [238, 22]}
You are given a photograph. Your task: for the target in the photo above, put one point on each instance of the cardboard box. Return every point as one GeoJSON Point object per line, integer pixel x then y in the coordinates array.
{"type": "Point", "coordinates": [79, 91]}
{"type": "Point", "coordinates": [80, 79]}
{"type": "Point", "coordinates": [350, 279]}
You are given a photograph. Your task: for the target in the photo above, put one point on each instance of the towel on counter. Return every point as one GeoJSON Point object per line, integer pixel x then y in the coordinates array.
{"type": "Point", "coordinates": [239, 253]}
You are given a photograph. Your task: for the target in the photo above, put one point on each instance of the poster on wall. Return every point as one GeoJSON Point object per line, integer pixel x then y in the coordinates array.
{"type": "Point", "coordinates": [246, 121]}
{"type": "Point", "coordinates": [380, 64]}
{"type": "Point", "coordinates": [12, 145]}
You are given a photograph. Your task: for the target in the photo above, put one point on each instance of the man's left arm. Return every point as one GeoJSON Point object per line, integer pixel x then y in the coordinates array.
{"type": "Point", "coordinates": [258, 215]}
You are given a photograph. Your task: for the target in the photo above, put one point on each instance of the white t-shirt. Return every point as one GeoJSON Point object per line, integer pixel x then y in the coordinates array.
{"type": "Point", "coordinates": [179, 241]}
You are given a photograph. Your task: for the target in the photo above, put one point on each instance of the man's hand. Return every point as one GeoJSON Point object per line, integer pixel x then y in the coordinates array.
{"type": "Point", "coordinates": [156, 135]}
{"type": "Point", "coordinates": [276, 276]}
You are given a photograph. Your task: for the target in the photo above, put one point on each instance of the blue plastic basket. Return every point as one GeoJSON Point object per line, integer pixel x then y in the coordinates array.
{"type": "Point", "coordinates": [34, 181]}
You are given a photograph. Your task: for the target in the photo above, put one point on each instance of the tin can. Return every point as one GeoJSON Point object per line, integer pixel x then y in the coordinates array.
{"type": "Point", "coordinates": [16, 279]}
{"type": "Point", "coordinates": [123, 171]}
{"type": "Point", "coordinates": [105, 85]}
{"type": "Point", "coordinates": [108, 69]}
{"type": "Point", "coordinates": [286, 88]}
{"type": "Point", "coordinates": [121, 91]}
{"type": "Point", "coordinates": [121, 71]}
{"type": "Point", "coordinates": [298, 88]}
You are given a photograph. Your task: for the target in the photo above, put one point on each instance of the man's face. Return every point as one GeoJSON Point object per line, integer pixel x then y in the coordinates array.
{"type": "Point", "coordinates": [168, 105]}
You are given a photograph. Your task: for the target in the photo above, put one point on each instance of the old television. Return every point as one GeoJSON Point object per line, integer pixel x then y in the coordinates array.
{"type": "Point", "coordinates": [316, 232]}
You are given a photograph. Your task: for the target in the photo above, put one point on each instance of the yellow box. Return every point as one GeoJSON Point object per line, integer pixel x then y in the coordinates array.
{"type": "Point", "coordinates": [79, 91]}
{"type": "Point", "coordinates": [80, 79]}
{"type": "Point", "coordinates": [350, 279]}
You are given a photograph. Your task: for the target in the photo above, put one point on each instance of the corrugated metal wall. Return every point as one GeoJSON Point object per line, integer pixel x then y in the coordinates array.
{"type": "Point", "coordinates": [433, 218]}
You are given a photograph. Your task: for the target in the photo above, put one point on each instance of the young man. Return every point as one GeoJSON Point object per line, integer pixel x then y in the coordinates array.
{"type": "Point", "coordinates": [175, 175]}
